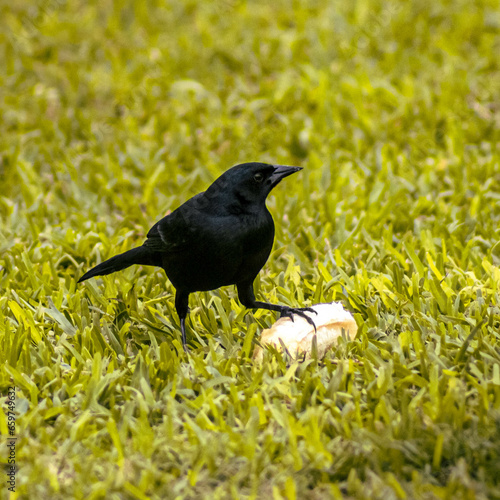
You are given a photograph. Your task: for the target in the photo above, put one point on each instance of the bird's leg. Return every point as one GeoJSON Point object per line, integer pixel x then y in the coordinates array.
{"type": "Point", "coordinates": [247, 298]}
{"type": "Point", "coordinates": [183, 333]}
{"type": "Point", "coordinates": [182, 307]}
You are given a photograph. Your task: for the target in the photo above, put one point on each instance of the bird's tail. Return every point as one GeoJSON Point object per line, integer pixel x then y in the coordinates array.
{"type": "Point", "coordinates": [140, 255]}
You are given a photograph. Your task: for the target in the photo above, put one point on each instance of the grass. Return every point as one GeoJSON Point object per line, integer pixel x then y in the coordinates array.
{"type": "Point", "coordinates": [114, 113]}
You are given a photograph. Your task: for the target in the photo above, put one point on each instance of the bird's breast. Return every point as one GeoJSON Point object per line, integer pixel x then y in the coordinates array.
{"type": "Point", "coordinates": [223, 251]}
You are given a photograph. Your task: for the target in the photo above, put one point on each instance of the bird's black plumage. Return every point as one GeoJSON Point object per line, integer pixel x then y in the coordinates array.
{"type": "Point", "coordinates": [222, 236]}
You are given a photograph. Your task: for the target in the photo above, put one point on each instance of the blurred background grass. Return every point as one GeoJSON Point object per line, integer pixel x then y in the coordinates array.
{"type": "Point", "coordinates": [115, 112]}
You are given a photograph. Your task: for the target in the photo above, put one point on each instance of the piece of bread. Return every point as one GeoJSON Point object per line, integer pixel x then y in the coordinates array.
{"type": "Point", "coordinates": [297, 335]}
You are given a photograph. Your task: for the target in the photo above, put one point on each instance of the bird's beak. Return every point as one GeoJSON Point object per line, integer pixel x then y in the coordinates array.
{"type": "Point", "coordinates": [282, 171]}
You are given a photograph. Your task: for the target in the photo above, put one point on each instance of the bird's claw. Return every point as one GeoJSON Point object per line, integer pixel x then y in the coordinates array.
{"type": "Point", "coordinates": [299, 311]}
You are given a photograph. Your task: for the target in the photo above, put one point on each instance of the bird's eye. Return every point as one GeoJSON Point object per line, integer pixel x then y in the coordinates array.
{"type": "Point", "coordinates": [258, 177]}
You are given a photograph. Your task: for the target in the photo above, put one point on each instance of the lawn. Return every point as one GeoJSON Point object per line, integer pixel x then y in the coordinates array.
{"type": "Point", "coordinates": [115, 112]}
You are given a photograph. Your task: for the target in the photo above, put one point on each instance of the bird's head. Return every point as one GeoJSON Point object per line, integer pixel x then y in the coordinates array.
{"type": "Point", "coordinates": [249, 184]}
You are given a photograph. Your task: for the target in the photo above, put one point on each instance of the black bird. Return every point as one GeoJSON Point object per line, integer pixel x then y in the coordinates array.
{"type": "Point", "coordinates": [220, 237]}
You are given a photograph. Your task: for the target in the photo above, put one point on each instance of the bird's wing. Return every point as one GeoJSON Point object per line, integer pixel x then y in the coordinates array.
{"type": "Point", "coordinates": [177, 231]}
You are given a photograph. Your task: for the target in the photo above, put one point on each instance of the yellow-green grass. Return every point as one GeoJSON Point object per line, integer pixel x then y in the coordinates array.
{"type": "Point", "coordinates": [114, 112]}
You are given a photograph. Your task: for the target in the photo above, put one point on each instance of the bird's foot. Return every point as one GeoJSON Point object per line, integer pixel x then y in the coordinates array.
{"type": "Point", "coordinates": [288, 312]}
